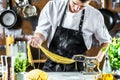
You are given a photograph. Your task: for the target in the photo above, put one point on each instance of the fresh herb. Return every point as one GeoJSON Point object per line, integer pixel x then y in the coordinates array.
{"type": "Point", "coordinates": [114, 53]}
{"type": "Point", "coordinates": [21, 64]}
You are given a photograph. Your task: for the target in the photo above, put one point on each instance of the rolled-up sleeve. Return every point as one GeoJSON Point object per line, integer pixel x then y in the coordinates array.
{"type": "Point", "coordinates": [43, 26]}
{"type": "Point", "coordinates": [101, 32]}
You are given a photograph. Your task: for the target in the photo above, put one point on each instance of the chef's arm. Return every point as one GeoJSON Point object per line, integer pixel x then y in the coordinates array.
{"type": "Point", "coordinates": [101, 53]}
{"type": "Point", "coordinates": [36, 39]}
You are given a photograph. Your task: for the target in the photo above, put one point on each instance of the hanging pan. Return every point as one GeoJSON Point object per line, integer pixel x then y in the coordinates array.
{"type": "Point", "coordinates": [109, 17]}
{"type": "Point", "coordinates": [8, 18]}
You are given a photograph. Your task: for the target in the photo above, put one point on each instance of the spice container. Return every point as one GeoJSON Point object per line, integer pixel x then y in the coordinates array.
{"type": "Point", "coordinates": [0, 71]}
{"type": "Point", "coordinates": [0, 76]}
{"type": "Point", "coordinates": [10, 67]}
{"type": "Point", "coordinates": [13, 50]}
{"type": "Point", "coordinates": [9, 40]}
{"type": "Point", "coordinates": [4, 67]}
{"type": "Point", "coordinates": [22, 48]}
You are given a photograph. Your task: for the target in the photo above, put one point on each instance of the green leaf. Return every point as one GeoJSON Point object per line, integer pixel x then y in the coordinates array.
{"type": "Point", "coordinates": [21, 64]}
{"type": "Point", "coordinates": [114, 53]}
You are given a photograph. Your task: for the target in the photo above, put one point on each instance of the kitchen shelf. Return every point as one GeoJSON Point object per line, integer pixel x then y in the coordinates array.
{"type": "Point", "coordinates": [40, 61]}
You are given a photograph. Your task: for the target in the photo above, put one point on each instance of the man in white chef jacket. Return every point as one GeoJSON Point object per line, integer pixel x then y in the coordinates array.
{"type": "Point", "coordinates": [69, 25]}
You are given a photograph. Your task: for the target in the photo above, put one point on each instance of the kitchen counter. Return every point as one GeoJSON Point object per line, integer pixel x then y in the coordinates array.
{"type": "Point", "coordinates": [70, 76]}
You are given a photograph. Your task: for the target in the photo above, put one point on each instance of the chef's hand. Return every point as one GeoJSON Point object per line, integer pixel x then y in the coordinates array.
{"type": "Point", "coordinates": [36, 40]}
{"type": "Point", "coordinates": [96, 62]}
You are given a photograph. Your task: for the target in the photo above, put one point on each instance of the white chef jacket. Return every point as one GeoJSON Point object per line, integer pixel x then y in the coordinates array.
{"type": "Point", "coordinates": [50, 18]}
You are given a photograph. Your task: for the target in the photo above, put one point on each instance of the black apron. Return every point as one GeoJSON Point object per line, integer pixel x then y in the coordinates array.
{"type": "Point", "coordinates": [66, 42]}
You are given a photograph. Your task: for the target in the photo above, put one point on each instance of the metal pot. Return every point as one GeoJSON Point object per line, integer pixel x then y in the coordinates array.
{"type": "Point", "coordinates": [29, 11]}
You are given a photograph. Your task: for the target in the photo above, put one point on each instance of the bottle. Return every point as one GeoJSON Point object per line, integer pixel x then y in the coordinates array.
{"type": "Point", "coordinates": [0, 71]}
{"type": "Point", "coordinates": [10, 67]}
{"type": "Point", "coordinates": [4, 67]}
{"type": "Point", "coordinates": [106, 66]}
{"type": "Point", "coordinates": [9, 40]}
{"type": "Point", "coordinates": [0, 76]}
{"type": "Point", "coordinates": [107, 70]}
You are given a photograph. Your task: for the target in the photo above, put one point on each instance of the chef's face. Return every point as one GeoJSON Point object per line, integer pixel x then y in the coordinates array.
{"type": "Point", "coordinates": [76, 5]}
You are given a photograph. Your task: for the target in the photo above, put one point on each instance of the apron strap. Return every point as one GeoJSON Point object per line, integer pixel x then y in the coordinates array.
{"type": "Point", "coordinates": [63, 14]}
{"type": "Point", "coordinates": [81, 21]}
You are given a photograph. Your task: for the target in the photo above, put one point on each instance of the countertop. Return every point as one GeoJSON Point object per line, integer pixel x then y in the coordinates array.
{"type": "Point", "coordinates": [70, 76]}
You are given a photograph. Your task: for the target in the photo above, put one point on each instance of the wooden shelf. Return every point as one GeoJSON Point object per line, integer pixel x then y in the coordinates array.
{"type": "Point", "coordinates": [37, 61]}
{"type": "Point", "coordinates": [40, 61]}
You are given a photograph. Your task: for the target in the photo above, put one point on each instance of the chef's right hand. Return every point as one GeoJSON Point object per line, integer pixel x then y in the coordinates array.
{"type": "Point", "coordinates": [35, 41]}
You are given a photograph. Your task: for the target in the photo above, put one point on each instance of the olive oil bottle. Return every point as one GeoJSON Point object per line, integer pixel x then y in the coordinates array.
{"type": "Point", "coordinates": [107, 71]}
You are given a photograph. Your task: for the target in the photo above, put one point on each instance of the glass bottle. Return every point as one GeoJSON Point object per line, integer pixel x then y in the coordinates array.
{"type": "Point", "coordinates": [106, 66]}
{"type": "Point", "coordinates": [4, 67]}
{"type": "Point", "coordinates": [107, 70]}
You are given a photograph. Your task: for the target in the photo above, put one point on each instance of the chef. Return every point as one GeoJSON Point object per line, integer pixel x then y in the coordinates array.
{"type": "Point", "coordinates": [68, 26]}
